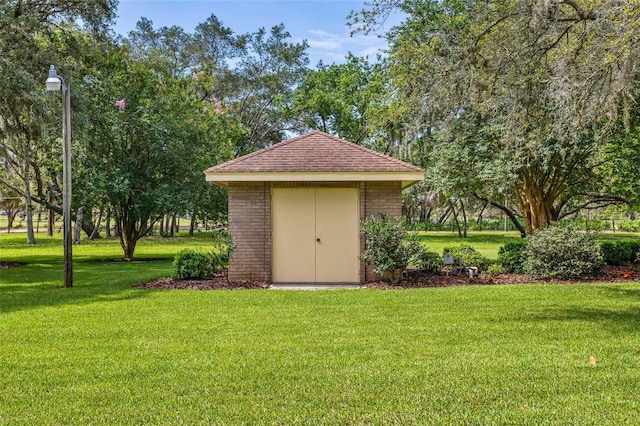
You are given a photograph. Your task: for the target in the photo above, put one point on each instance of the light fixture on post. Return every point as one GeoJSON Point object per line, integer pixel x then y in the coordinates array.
{"type": "Point", "coordinates": [54, 83]}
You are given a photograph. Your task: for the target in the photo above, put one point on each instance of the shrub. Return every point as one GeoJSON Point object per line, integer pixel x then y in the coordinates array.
{"type": "Point", "coordinates": [389, 248]}
{"type": "Point", "coordinates": [619, 252]}
{"type": "Point", "coordinates": [464, 256]}
{"type": "Point", "coordinates": [511, 256]}
{"type": "Point", "coordinates": [634, 249]}
{"type": "Point", "coordinates": [562, 252]}
{"type": "Point", "coordinates": [191, 263]}
{"type": "Point", "coordinates": [224, 244]}
{"type": "Point", "coordinates": [610, 253]}
{"type": "Point", "coordinates": [430, 261]}
{"type": "Point", "coordinates": [495, 269]}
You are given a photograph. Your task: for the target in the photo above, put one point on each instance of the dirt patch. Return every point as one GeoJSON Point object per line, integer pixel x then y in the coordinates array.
{"type": "Point", "coordinates": [218, 282]}
{"type": "Point", "coordinates": [414, 279]}
{"type": "Point", "coordinates": [7, 265]}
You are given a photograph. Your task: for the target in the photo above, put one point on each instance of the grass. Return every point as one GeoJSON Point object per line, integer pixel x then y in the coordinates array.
{"type": "Point", "coordinates": [105, 352]}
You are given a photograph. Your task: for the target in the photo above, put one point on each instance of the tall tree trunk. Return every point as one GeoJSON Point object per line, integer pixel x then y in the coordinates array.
{"type": "Point", "coordinates": [455, 218]}
{"type": "Point", "coordinates": [78, 226]}
{"type": "Point", "coordinates": [108, 224]}
{"type": "Point", "coordinates": [192, 223]}
{"type": "Point", "coordinates": [11, 216]}
{"type": "Point", "coordinates": [537, 209]}
{"type": "Point", "coordinates": [51, 220]}
{"type": "Point", "coordinates": [96, 229]}
{"type": "Point", "coordinates": [427, 218]}
{"type": "Point", "coordinates": [88, 226]}
{"type": "Point", "coordinates": [173, 225]}
{"type": "Point", "coordinates": [128, 239]}
{"type": "Point", "coordinates": [161, 227]}
{"type": "Point", "coordinates": [479, 218]}
{"type": "Point", "coordinates": [464, 218]}
{"type": "Point", "coordinates": [508, 212]}
{"type": "Point", "coordinates": [31, 239]}
{"type": "Point", "coordinates": [444, 216]}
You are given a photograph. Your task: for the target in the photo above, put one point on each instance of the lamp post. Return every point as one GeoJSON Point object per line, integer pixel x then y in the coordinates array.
{"type": "Point", "coordinates": [55, 82]}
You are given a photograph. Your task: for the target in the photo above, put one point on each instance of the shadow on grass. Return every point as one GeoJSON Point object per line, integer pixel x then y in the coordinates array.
{"type": "Point", "coordinates": [624, 292]}
{"type": "Point", "coordinates": [618, 316]}
{"type": "Point", "coordinates": [41, 285]}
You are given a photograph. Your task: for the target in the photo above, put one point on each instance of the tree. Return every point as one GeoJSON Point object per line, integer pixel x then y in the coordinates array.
{"type": "Point", "coordinates": [267, 68]}
{"type": "Point", "coordinates": [541, 77]}
{"type": "Point", "coordinates": [167, 47]}
{"type": "Point", "coordinates": [619, 170]}
{"type": "Point", "coordinates": [33, 35]}
{"type": "Point", "coordinates": [335, 99]}
{"type": "Point", "coordinates": [267, 72]}
{"type": "Point", "coordinates": [150, 132]}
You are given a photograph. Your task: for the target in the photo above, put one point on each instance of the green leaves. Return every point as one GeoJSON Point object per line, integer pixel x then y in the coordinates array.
{"type": "Point", "coordinates": [389, 247]}
{"type": "Point", "coordinates": [512, 95]}
{"type": "Point", "coordinates": [152, 152]}
{"type": "Point", "coordinates": [192, 263]}
{"type": "Point", "coordinates": [562, 252]}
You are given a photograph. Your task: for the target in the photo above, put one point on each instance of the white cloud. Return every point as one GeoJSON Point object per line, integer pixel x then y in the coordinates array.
{"type": "Point", "coordinates": [331, 47]}
{"type": "Point", "coordinates": [324, 44]}
{"type": "Point", "coordinates": [320, 33]}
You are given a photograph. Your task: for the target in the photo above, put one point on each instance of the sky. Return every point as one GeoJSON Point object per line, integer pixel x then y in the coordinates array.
{"type": "Point", "coordinates": [322, 23]}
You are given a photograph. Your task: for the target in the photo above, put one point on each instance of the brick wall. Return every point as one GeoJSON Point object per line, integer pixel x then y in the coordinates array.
{"type": "Point", "coordinates": [250, 221]}
{"type": "Point", "coordinates": [250, 224]}
{"type": "Point", "coordinates": [385, 197]}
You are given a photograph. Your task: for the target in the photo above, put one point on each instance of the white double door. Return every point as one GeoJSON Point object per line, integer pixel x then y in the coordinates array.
{"type": "Point", "coordinates": [315, 235]}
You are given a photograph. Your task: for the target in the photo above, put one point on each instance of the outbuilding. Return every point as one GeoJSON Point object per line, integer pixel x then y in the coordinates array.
{"type": "Point", "coordinates": [295, 208]}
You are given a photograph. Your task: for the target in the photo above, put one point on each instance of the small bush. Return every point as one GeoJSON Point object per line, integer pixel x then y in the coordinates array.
{"type": "Point", "coordinates": [464, 256]}
{"type": "Point", "coordinates": [610, 253]}
{"type": "Point", "coordinates": [495, 269]}
{"type": "Point", "coordinates": [430, 261]}
{"type": "Point", "coordinates": [634, 250]}
{"type": "Point", "coordinates": [562, 252]}
{"type": "Point", "coordinates": [619, 252]}
{"type": "Point", "coordinates": [224, 244]}
{"type": "Point", "coordinates": [511, 256]}
{"type": "Point", "coordinates": [389, 248]}
{"type": "Point", "coordinates": [192, 264]}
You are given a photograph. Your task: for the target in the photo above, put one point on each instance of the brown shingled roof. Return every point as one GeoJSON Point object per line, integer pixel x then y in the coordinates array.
{"type": "Point", "coordinates": [315, 151]}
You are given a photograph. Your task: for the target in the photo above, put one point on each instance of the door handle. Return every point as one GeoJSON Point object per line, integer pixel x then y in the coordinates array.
{"type": "Point", "coordinates": [318, 239]}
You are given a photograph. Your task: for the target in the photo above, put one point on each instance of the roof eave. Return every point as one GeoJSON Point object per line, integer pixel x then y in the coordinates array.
{"type": "Point", "coordinates": [407, 178]}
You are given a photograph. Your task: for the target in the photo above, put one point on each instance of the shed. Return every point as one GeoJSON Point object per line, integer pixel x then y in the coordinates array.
{"type": "Point", "coordinates": [295, 208]}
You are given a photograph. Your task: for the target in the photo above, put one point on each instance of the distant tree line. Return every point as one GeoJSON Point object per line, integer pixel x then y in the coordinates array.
{"type": "Point", "coordinates": [523, 106]}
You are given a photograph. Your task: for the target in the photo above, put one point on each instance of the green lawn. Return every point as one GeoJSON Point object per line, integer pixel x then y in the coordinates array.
{"type": "Point", "coordinates": [105, 352]}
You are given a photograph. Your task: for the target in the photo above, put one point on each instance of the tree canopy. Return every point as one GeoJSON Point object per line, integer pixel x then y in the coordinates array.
{"type": "Point", "coordinates": [539, 82]}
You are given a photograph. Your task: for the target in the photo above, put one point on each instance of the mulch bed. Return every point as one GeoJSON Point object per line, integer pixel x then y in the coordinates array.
{"type": "Point", "coordinates": [218, 282]}
{"type": "Point", "coordinates": [7, 265]}
{"type": "Point", "coordinates": [414, 279]}
{"type": "Point", "coordinates": [421, 279]}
